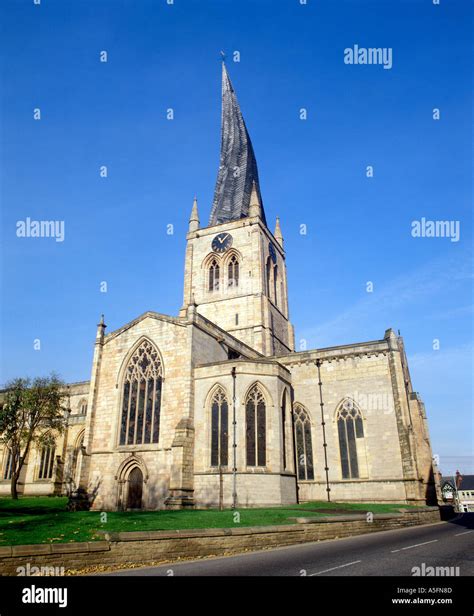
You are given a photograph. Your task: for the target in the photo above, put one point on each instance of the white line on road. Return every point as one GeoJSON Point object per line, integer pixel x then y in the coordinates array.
{"type": "Point", "coordinates": [417, 545]}
{"type": "Point", "coordinates": [334, 568]}
{"type": "Point", "coordinates": [464, 533]}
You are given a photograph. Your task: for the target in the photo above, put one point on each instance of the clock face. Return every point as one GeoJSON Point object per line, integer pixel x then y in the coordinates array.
{"type": "Point", "coordinates": [222, 242]}
{"type": "Point", "coordinates": [273, 254]}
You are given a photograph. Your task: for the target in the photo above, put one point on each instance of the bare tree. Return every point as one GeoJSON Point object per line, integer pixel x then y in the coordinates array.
{"type": "Point", "coordinates": [31, 412]}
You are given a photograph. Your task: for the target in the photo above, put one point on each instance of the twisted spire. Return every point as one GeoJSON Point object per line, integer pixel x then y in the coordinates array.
{"type": "Point", "coordinates": [238, 171]}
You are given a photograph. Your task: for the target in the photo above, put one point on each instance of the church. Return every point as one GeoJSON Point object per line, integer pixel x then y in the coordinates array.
{"type": "Point", "coordinates": [214, 407]}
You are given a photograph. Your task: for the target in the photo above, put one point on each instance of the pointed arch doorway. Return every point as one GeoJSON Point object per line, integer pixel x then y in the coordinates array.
{"type": "Point", "coordinates": [135, 489]}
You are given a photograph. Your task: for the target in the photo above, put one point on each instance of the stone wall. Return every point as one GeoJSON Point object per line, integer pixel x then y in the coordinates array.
{"type": "Point", "coordinates": [146, 547]}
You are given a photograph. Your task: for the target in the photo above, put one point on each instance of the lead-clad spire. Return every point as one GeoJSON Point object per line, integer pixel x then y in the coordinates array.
{"type": "Point", "coordinates": [237, 167]}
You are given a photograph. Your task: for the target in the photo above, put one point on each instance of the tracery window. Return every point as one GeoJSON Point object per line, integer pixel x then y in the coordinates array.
{"type": "Point", "coordinates": [233, 272]}
{"type": "Point", "coordinates": [141, 402]}
{"type": "Point", "coordinates": [46, 462]}
{"type": "Point", "coordinates": [214, 274]}
{"type": "Point", "coordinates": [304, 447]}
{"type": "Point", "coordinates": [350, 427]}
{"type": "Point", "coordinates": [219, 428]}
{"type": "Point", "coordinates": [83, 407]}
{"type": "Point", "coordinates": [255, 416]}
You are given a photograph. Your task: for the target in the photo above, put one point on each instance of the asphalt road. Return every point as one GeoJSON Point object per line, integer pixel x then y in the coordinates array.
{"type": "Point", "coordinates": [394, 552]}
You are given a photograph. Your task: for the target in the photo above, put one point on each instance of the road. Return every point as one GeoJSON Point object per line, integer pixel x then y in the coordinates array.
{"type": "Point", "coordinates": [393, 552]}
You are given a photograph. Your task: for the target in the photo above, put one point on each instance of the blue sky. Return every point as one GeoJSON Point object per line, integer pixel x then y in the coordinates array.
{"type": "Point", "coordinates": [312, 172]}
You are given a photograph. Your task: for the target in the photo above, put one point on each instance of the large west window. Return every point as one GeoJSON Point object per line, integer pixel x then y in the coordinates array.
{"type": "Point", "coordinates": [219, 428]}
{"type": "Point", "coordinates": [141, 400]}
{"type": "Point", "coordinates": [255, 419]}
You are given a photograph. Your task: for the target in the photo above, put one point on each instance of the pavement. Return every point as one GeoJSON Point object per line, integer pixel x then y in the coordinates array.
{"type": "Point", "coordinates": [394, 552]}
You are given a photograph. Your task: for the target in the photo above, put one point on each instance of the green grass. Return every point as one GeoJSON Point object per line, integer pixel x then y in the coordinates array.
{"type": "Point", "coordinates": [45, 520]}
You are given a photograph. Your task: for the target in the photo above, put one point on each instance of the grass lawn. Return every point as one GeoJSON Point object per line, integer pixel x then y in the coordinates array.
{"type": "Point", "coordinates": [45, 519]}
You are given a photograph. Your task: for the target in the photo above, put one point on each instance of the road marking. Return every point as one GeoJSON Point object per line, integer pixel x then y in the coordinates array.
{"type": "Point", "coordinates": [417, 545]}
{"type": "Point", "coordinates": [464, 533]}
{"type": "Point", "coordinates": [334, 568]}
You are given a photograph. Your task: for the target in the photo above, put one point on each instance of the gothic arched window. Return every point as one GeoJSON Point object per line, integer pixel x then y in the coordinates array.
{"type": "Point", "coordinates": [83, 407]}
{"type": "Point", "coordinates": [233, 272]}
{"type": "Point", "coordinates": [255, 419]}
{"type": "Point", "coordinates": [304, 447]}
{"type": "Point", "coordinates": [214, 273]}
{"type": "Point", "coordinates": [141, 403]}
{"type": "Point", "coordinates": [350, 427]}
{"type": "Point", "coordinates": [219, 428]}
{"type": "Point", "coordinates": [46, 463]}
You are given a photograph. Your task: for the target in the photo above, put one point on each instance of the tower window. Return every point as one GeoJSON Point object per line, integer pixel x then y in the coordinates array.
{"type": "Point", "coordinates": [233, 272]}
{"type": "Point", "coordinates": [214, 273]}
{"type": "Point", "coordinates": [269, 275]}
{"type": "Point", "coordinates": [236, 318]}
{"type": "Point", "coordinates": [275, 284]}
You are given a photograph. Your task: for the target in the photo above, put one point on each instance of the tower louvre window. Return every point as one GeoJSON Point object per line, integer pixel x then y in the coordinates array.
{"type": "Point", "coordinates": [141, 402]}
{"type": "Point", "coordinates": [275, 284]}
{"type": "Point", "coordinates": [269, 276]}
{"type": "Point", "coordinates": [233, 272]}
{"type": "Point", "coordinates": [214, 273]}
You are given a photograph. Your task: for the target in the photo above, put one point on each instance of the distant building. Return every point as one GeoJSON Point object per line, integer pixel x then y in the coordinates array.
{"type": "Point", "coordinates": [459, 491]}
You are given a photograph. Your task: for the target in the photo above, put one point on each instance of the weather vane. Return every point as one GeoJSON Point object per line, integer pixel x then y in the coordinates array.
{"type": "Point", "coordinates": [223, 56]}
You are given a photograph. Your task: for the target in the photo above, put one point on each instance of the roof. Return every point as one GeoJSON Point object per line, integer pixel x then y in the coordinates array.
{"type": "Point", "coordinates": [467, 482]}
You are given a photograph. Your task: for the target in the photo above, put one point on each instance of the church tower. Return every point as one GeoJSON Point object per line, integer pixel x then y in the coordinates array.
{"type": "Point", "coordinates": [235, 270]}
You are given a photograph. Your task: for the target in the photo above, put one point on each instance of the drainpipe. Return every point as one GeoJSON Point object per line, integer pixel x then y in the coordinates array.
{"type": "Point", "coordinates": [234, 443]}
{"type": "Point", "coordinates": [295, 454]}
{"type": "Point", "coordinates": [323, 424]}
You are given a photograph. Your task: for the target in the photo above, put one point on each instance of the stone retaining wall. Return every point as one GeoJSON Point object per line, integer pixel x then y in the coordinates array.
{"type": "Point", "coordinates": [143, 547]}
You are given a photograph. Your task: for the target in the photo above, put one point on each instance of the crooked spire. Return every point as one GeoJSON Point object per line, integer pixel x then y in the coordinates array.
{"type": "Point", "coordinates": [238, 172]}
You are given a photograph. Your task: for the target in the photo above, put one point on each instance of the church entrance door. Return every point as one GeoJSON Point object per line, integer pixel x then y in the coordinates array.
{"type": "Point", "coordinates": [135, 489]}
